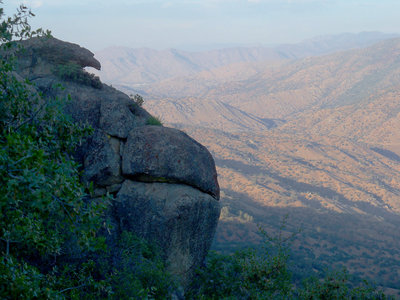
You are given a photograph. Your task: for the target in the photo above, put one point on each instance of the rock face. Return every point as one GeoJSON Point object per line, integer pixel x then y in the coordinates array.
{"type": "Point", "coordinates": [178, 217]}
{"type": "Point", "coordinates": [53, 52]}
{"type": "Point", "coordinates": [163, 182]}
{"type": "Point", "coordinates": [160, 152]}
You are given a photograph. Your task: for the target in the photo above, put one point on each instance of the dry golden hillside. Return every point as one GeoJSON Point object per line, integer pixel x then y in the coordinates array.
{"type": "Point", "coordinates": [317, 139]}
{"type": "Point", "coordinates": [331, 159]}
{"type": "Point", "coordinates": [345, 196]}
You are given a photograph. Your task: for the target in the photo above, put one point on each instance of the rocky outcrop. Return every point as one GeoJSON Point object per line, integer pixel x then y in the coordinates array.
{"type": "Point", "coordinates": [159, 152]}
{"type": "Point", "coordinates": [41, 55]}
{"type": "Point", "coordinates": [102, 161]}
{"type": "Point", "coordinates": [178, 217]}
{"type": "Point", "coordinates": [164, 184]}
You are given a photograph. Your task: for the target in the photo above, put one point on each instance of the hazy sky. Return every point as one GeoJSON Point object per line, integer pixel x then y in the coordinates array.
{"type": "Point", "coordinates": [97, 24]}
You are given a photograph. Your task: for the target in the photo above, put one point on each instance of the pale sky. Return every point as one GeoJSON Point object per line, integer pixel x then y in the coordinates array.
{"type": "Point", "coordinates": [183, 24]}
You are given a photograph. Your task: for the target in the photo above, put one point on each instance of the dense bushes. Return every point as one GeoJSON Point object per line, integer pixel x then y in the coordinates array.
{"type": "Point", "coordinates": [264, 274]}
{"type": "Point", "coordinates": [140, 271]}
{"type": "Point", "coordinates": [43, 207]}
{"type": "Point", "coordinates": [49, 242]}
{"type": "Point", "coordinates": [45, 214]}
{"type": "Point", "coordinates": [74, 72]}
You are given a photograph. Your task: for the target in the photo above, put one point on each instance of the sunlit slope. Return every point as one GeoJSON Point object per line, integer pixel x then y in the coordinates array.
{"type": "Point", "coordinates": [209, 113]}
{"type": "Point", "coordinates": [327, 174]}
{"type": "Point", "coordinates": [344, 195]}
{"type": "Point", "coordinates": [322, 94]}
{"type": "Point", "coordinates": [316, 138]}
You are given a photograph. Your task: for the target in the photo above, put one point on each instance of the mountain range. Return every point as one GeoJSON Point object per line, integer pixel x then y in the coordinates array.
{"type": "Point", "coordinates": [137, 67]}
{"type": "Point", "coordinates": [311, 131]}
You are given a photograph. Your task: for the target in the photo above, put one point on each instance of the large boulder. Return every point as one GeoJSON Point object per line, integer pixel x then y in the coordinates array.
{"type": "Point", "coordinates": [129, 159]}
{"type": "Point", "coordinates": [119, 116]}
{"type": "Point", "coordinates": [161, 152]}
{"type": "Point", "coordinates": [102, 163]}
{"type": "Point", "coordinates": [41, 52]}
{"type": "Point", "coordinates": [180, 219]}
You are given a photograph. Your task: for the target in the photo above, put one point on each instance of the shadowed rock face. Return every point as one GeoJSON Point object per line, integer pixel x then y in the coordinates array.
{"type": "Point", "coordinates": [102, 160]}
{"type": "Point", "coordinates": [177, 217]}
{"type": "Point", "coordinates": [164, 183]}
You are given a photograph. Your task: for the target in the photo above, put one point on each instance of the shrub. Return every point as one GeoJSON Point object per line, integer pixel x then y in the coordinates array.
{"type": "Point", "coordinates": [154, 121]}
{"type": "Point", "coordinates": [75, 73]}
{"type": "Point", "coordinates": [248, 274]}
{"type": "Point", "coordinates": [264, 274]}
{"type": "Point", "coordinates": [140, 272]}
{"type": "Point", "coordinates": [336, 285]}
{"type": "Point", "coordinates": [137, 99]}
{"type": "Point", "coordinates": [42, 201]}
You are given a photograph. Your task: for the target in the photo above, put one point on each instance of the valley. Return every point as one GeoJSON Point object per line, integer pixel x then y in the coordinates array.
{"type": "Point", "coordinates": [312, 137]}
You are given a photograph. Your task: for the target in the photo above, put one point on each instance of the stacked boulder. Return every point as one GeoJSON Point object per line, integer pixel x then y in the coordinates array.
{"type": "Point", "coordinates": [164, 184]}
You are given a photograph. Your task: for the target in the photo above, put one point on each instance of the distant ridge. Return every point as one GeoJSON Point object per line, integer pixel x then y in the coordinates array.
{"type": "Point", "coordinates": [351, 93]}
{"type": "Point", "coordinates": [313, 133]}
{"type": "Point", "coordinates": [135, 67]}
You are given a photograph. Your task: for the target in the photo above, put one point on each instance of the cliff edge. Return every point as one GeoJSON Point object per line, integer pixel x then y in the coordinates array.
{"type": "Point", "coordinates": [164, 184]}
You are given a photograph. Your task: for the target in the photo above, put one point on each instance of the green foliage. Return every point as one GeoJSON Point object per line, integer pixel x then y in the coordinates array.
{"type": "Point", "coordinates": [40, 193]}
{"type": "Point", "coordinates": [80, 280]}
{"type": "Point", "coordinates": [17, 26]}
{"type": "Point", "coordinates": [154, 121]}
{"type": "Point", "coordinates": [264, 274]}
{"type": "Point", "coordinates": [19, 280]}
{"type": "Point", "coordinates": [137, 99]}
{"type": "Point", "coordinates": [220, 278]}
{"type": "Point", "coordinates": [140, 273]}
{"type": "Point", "coordinates": [75, 73]}
{"type": "Point", "coordinates": [43, 207]}
{"type": "Point", "coordinates": [336, 286]}
{"type": "Point", "coordinates": [45, 215]}
{"type": "Point", "coordinates": [250, 273]}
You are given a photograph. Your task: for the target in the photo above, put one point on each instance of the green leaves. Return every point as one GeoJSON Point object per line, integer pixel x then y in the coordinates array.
{"type": "Point", "coordinates": [17, 26]}
{"type": "Point", "coordinates": [74, 72]}
{"type": "Point", "coordinates": [154, 121]}
{"type": "Point", "coordinates": [44, 209]}
{"type": "Point", "coordinates": [40, 192]}
{"type": "Point", "coordinates": [140, 273]}
{"type": "Point", "coordinates": [263, 274]}
{"type": "Point", "coordinates": [247, 274]}
{"type": "Point", "coordinates": [19, 280]}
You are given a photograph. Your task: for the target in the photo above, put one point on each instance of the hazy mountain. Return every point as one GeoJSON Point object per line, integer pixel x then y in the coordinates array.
{"type": "Point", "coordinates": [134, 67]}
{"type": "Point", "coordinates": [351, 93]}
{"type": "Point", "coordinates": [219, 115]}
{"type": "Point", "coordinates": [334, 165]}
{"type": "Point", "coordinates": [317, 138]}
{"type": "Point", "coordinates": [332, 43]}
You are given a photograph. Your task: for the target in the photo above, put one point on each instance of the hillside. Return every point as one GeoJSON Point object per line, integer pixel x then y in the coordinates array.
{"type": "Point", "coordinates": [343, 194]}
{"type": "Point", "coordinates": [316, 138]}
{"type": "Point", "coordinates": [283, 90]}
{"type": "Point", "coordinates": [351, 94]}
{"type": "Point", "coordinates": [139, 67]}
{"type": "Point", "coordinates": [219, 115]}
